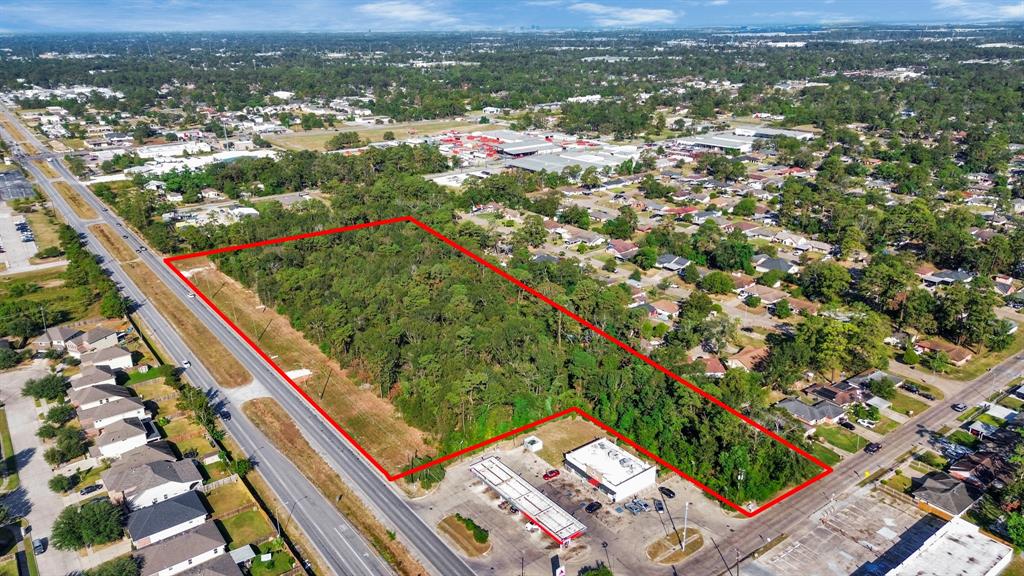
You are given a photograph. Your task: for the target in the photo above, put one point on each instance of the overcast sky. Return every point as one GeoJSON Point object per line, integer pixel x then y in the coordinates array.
{"type": "Point", "coordinates": [409, 15]}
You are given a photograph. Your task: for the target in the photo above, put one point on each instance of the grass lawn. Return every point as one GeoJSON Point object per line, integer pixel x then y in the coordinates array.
{"type": "Point", "coordinates": [886, 425]}
{"type": "Point", "coordinates": [180, 428]}
{"type": "Point", "coordinates": [249, 527]}
{"type": "Point", "coordinates": [90, 477]}
{"type": "Point", "coordinates": [898, 482]}
{"type": "Point", "coordinates": [1011, 402]}
{"type": "Point", "coordinates": [215, 471]}
{"type": "Point", "coordinates": [969, 414]}
{"type": "Point", "coordinates": [10, 567]}
{"type": "Point", "coordinates": [991, 420]}
{"type": "Point", "coordinates": [964, 438]}
{"type": "Point", "coordinates": [841, 438]}
{"type": "Point", "coordinates": [665, 550]}
{"type": "Point", "coordinates": [932, 459]}
{"type": "Point", "coordinates": [229, 497]}
{"type": "Point", "coordinates": [462, 537]}
{"type": "Point", "coordinates": [280, 560]}
{"type": "Point", "coordinates": [62, 302]}
{"type": "Point", "coordinates": [1016, 567]}
{"type": "Point", "coordinates": [113, 243]}
{"type": "Point", "coordinates": [78, 204]}
{"type": "Point", "coordinates": [197, 445]}
{"type": "Point", "coordinates": [907, 404]}
{"type": "Point", "coordinates": [10, 465]}
{"type": "Point", "coordinates": [151, 384]}
{"type": "Point", "coordinates": [44, 228]}
{"type": "Point", "coordinates": [46, 169]}
{"type": "Point", "coordinates": [982, 362]}
{"type": "Point", "coordinates": [825, 454]}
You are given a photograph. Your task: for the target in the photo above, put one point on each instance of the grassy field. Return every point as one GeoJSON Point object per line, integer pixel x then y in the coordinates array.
{"type": "Point", "coordinates": [46, 169]}
{"type": "Point", "coordinates": [898, 482]}
{"type": "Point", "coordinates": [10, 465]}
{"type": "Point", "coordinates": [115, 245]}
{"type": "Point", "coordinates": [221, 363]}
{"type": "Point", "coordinates": [317, 139]}
{"type": "Point", "coordinates": [982, 362]}
{"type": "Point", "coordinates": [665, 550]}
{"type": "Point", "coordinates": [44, 227]}
{"type": "Point", "coordinates": [1016, 567]}
{"type": "Point", "coordinates": [275, 423]}
{"type": "Point", "coordinates": [280, 560]}
{"type": "Point", "coordinates": [373, 421]}
{"type": "Point", "coordinates": [63, 303]}
{"type": "Point", "coordinates": [907, 404]}
{"type": "Point", "coordinates": [249, 527]}
{"type": "Point", "coordinates": [886, 425]}
{"type": "Point", "coordinates": [462, 537]}
{"type": "Point", "coordinates": [228, 498]}
{"type": "Point", "coordinates": [82, 210]}
{"type": "Point", "coordinates": [964, 438]}
{"type": "Point", "coordinates": [825, 454]}
{"type": "Point", "coordinates": [562, 435]}
{"type": "Point", "coordinates": [841, 438]}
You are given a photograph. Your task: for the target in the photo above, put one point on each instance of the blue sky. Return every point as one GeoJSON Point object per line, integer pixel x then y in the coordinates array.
{"type": "Point", "coordinates": [406, 15]}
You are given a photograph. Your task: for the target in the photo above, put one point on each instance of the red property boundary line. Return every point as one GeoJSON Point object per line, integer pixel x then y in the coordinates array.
{"type": "Point", "coordinates": [574, 410]}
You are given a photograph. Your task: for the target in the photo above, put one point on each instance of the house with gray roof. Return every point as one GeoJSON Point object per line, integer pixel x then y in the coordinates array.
{"type": "Point", "coordinates": [671, 262]}
{"type": "Point", "coordinates": [149, 474]}
{"type": "Point", "coordinates": [92, 376]}
{"type": "Point", "coordinates": [113, 358]}
{"type": "Point", "coordinates": [183, 552]}
{"type": "Point", "coordinates": [821, 412]}
{"type": "Point", "coordinates": [107, 413]}
{"type": "Point", "coordinates": [93, 396]}
{"type": "Point", "coordinates": [945, 494]}
{"type": "Point", "coordinates": [166, 519]}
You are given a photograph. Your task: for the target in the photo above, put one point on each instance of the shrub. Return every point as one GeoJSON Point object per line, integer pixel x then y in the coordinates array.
{"type": "Point", "coordinates": [61, 483]}
{"type": "Point", "coordinates": [479, 533]}
{"type": "Point", "coordinates": [752, 301]}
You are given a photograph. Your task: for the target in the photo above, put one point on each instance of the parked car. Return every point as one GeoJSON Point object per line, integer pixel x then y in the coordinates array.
{"type": "Point", "coordinates": [659, 506]}
{"type": "Point", "coordinates": [847, 424]}
{"type": "Point", "coordinates": [959, 407]}
{"type": "Point", "coordinates": [872, 447]}
{"type": "Point", "coordinates": [666, 492]}
{"type": "Point", "coordinates": [866, 423]}
{"type": "Point", "coordinates": [551, 474]}
{"type": "Point", "coordinates": [927, 396]}
{"type": "Point", "coordinates": [89, 490]}
{"type": "Point", "coordinates": [593, 507]}
{"type": "Point", "coordinates": [39, 546]}
{"type": "Point", "coordinates": [911, 388]}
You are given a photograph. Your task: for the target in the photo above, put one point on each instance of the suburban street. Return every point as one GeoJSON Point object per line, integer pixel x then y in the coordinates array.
{"type": "Point", "coordinates": [342, 547]}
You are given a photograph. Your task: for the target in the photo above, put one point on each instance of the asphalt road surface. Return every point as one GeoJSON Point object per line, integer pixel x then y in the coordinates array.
{"type": "Point", "coordinates": [331, 534]}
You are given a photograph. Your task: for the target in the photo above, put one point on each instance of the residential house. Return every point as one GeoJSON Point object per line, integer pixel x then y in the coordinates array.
{"type": "Point", "coordinates": [789, 239]}
{"type": "Point", "coordinates": [165, 519]}
{"type": "Point", "coordinates": [114, 358]}
{"type": "Point", "coordinates": [96, 339]}
{"type": "Point", "coordinates": [56, 337]}
{"type": "Point", "coordinates": [184, 551]}
{"type": "Point", "coordinates": [107, 413]}
{"type": "Point", "coordinates": [223, 565]}
{"type": "Point", "coordinates": [93, 396]}
{"type": "Point", "coordinates": [623, 249]}
{"type": "Point", "coordinates": [945, 277]}
{"type": "Point", "coordinates": [982, 469]}
{"type": "Point", "coordinates": [801, 306]}
{"type": "Point", "coordinates": [121, 437]}
{"type": "Point", "coordinates": [740, 282]}
{"type": "Point", "coordinates": [940, 493]}
{"type": "Point", "coordinates": [748, 358]}
{"type": "Point", "coordinates": [92, 376]}
{"type": "Point", "coordinates": [767, 295]}
{"type": "Point", "coordinates": [671, 262]}
{"type": "Point", "coordinates": [713, 367]}
{"type": "Point", "coordinates": [841, 393]}
{"type": "Point", "coordinates": [665, 310]}
{"type": "Point", "coordinates": [764, 263]}
{"type": "Point", "coordinates": [958, 355]}
{"type": "Point", "coordinates": [150, 474]}
{"type": "Point", "coordinates": [864, 379]}
{"type": "Point", "coordinates": [821, 412]}
{"type": "Point", "coordinates": [1005, 285]}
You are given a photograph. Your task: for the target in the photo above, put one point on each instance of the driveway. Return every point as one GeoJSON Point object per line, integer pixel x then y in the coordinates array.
{"type": "Point", "coordinates": [33, 498]}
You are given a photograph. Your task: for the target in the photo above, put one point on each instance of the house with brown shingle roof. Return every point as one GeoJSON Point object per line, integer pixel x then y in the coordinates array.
{"type": "Point", "coordinates": [185, 551]}
{"type": "Point", "coordinates": [749, 358]}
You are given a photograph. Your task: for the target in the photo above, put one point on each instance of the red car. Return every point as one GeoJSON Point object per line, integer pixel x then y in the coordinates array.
{"type": "Point", "coordinates": [551, 474]}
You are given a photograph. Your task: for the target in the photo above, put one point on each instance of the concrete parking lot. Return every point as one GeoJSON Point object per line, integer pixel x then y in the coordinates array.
{"type": "Point", "coordinates": [866, 533]}
{"type": "Point", "coordinates": [519, 546]}
{"type": "Point", "coordinates": [17, 254]}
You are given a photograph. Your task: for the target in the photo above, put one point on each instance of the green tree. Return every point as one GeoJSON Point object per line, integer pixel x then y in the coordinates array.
{"type": "Point", "coordinates": [125, 566]}
{"type": "Point", "coordinates": [782, 309]}
{"type": "Point", "coordinates": [50, 387]}
{"type": "Point", "coordinates": [241, 467]}
{"type": "Point", "coordinates": [113, 305]}
{"type": "Point", "coordinates": [645, 258]}
{"type": "Point", "coordinates": [61, 483]}
{"type": "Point", "coordinates": [91, 524]}
{"type": "Point", "coordinates": [716, 283]}
{"type": "Point", "coordinates": [824, 281]}
{"type": "Point", "coordinates": [60, 414]}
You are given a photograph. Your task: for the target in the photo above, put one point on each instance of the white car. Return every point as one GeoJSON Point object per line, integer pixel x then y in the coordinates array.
{"type": "Point", "coordinates": [191, 295]}
{"type": "Point", "coordinates": [866, 423]}
{"type": "Point", "coordinates": [187, 364]}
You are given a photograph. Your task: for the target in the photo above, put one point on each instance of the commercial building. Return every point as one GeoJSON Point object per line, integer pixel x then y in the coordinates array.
{"type": "Point", "coordinates": [957, 548]}
{"type": "Point", "coordinates": [538, 508]}
{"type": "Point", "coordinates": [721, 141]}
{"type": "Point", "coordinates": [611, 469]}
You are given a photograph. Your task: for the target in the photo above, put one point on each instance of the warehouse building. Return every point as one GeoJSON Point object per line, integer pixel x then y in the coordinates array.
{"type": "Point", "coordinates": [958, 548]}
{"type": "Point", "coordinates": [610, 469]}
{"type": "Point", "coordinates": [532, 503]}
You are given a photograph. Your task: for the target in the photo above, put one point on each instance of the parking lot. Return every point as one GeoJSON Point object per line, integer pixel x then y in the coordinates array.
{"type": "Point", "coordinates": [17, 253]}
{"type": "Point", "coordinates": [13, 185]}
{"type": "Point", "coordinates": [866, 533]}
{"type": "Point", "coordinates": [518, 545]}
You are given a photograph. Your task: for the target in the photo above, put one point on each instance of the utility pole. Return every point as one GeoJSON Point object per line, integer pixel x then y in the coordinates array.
{"type": "Point", "coordinates": [328, 379]}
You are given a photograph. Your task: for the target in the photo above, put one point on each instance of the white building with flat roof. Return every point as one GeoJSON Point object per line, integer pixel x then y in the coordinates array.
{"type": "Point", "coordinates": [610, 469]}
{"type": "Point", "coordinates": [957, 548]}
{"type": "Point", "coordinates": [532, 503]}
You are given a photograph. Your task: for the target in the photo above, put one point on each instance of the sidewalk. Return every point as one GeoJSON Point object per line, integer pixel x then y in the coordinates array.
{"type": "Point", "coordinates": [33, 499]}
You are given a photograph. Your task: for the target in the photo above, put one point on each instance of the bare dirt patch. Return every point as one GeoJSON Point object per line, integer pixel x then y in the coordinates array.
{"type": "Point", "coordinates": [78, 204]}
{"type": "Point", "coordinates": [562, 435]}
{"type": "Point", "coordinates": [666, 550]}
{"type": "Point", "coordinates": [373, 421]}
{"type": "Point", "coordinates": [106, 235]}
